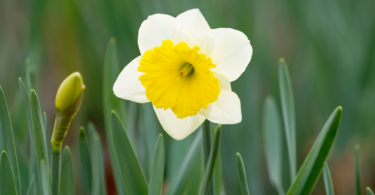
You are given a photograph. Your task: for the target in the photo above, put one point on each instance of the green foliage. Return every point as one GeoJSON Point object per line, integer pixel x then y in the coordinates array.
{"type": "Point", "coordinates": [369, 191]}
{"type": "Point", "coordinates": [312, 166]}
{"type": "Point", "coordinates": [39, 139]}
{"type": "Point", "coordinates": [85, 160]}
{"type": "Point", "coordinates": [98, 183]}
{"type": "Point", "coordinates": [66, 174]}
{"type": "Point", "coordinates": [111, 102]}
{"type": "Point", "coordinates": [211, 162]}
{"type": "Point", "coordinates": [287, 105]}
{"type": "Point", "coordinates": [272, 140]}
{"type": "Point", "coordinates": [7, 140]}
{"type": "Point", "coordinates": [157, 168]}
{"type": "Point", "coordinates": [242, 174]}
{"type": "Point", "coordinates": [8, 185]}
{"type": "Point", "coordinates": [31, 187]}
{"type": "Point", "coordinates": [33, 158]}
{"type": "Point", "coordinates": [177, 184]}
{"type": "Point", "coordinates": [45, 178]}
{"type": "Point", "coordinates": [327, 180]}
{"type": "Point", "coordinates": [126, 160]}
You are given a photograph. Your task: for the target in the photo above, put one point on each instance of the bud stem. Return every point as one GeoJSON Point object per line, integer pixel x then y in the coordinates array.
{"type": "Point", "coordinates": [55, 171]}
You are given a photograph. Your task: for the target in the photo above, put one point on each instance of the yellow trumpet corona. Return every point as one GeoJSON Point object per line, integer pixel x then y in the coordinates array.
{"type": "Point", "coordinates": [68, 101]}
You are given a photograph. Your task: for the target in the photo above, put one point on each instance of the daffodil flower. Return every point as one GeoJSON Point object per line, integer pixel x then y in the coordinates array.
{"type": "Point", "coordinates": [184, 70]}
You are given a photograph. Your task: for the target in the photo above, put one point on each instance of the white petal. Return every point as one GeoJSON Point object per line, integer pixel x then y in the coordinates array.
{"type": "Point", "coordinates": [193, 24]}
{"type": "Point", "coordinates": [154, 30]}
{"type": "Point", "coordinates": [206, 45]}
{"type": "Point", "coordinates": [224, 82]}
{"type": "Point", "coordinates": [178, 37]}
{"type": "Point", "coordinates": [232, 52]}
{"type": "Point", "coordinates": [175, 127]}
{"type": "Point", "coordinates": [128, 86]}
{"type": "Point", "coordinates": [226, 109]}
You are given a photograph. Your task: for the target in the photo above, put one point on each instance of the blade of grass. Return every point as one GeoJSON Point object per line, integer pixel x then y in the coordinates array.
{"type": "Point", "coordinates": [327, 180]}
{"type": "Point", "coordinates": [357, 174]}
{"type": "Point", "coordinates": [111, 102]}
{"type": "Point", "coordinates": [98, 183]}
{"type": "Point", "coordinates": [210, 163]}
{"type": "Point", "coordinates": [67, 174]}
{"type": "Point", "coordinates": [7, 140]}
{"type": "Point", "coordinates": [313, 164]}
{"type": "Point", "coordinates": [177, 185]}
{"type": "Point", "coordinates": [45, 178]}
{"type": "Point", "coordinates": [8, 185]}
{"type": "Point", "coordinates": [242, 174]}
{"type": "Point", "coordinates": [287, 105]}
{"type": "Point", "coordinates": [157, 168]}
{"type": "Point", "coordinates": [85, 160]}
{"type": "Point", "coordinates": [127, 160]}
{"type": "Point", "coordinates": [369, 191]}
{"type": "Point", "coordinates": [272, 140]}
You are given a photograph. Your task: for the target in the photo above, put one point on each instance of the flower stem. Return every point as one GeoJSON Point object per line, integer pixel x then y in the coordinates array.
{"type": "Point", "coordinates": [207, 185]}
{"type": "Point", "coordinates": [207, 148]}
{"type": "Point", "coordinates": [55, 171]}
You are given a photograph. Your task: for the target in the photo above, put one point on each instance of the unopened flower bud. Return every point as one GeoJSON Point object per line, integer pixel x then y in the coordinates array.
{"type": "Point", "coordinates": [68, 100]}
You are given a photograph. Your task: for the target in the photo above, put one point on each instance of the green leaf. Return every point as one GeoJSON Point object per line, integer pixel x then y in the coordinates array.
{"type": "Point", "coordinates": [66, 174]}
{"type": "Point", "coordinates": [287, 105]}
{"type": "Point", "coordinates": [31, 188]}
{"type": "Point", "coordinates": [211, 162]}
{"type": "Point", "coordinates": [369, 191]}
{"type": "Point", "coordinates": [85, 160]}
{"type": "Point", "coordinates": [132, 175]}
{"type": "Point", "coordinates": [313, 164]}
{"type": "Point", "coordinates": [8, 185]}
{"type": "Point", "coordinates": [272, 142]}
{"type": "Point", "coordinates": [111, 102]}
{"type": "Point", "coordinates": [218, 175]}
{"type": "Point", "coordinates": [33, 158]}
{"type": "Point", "coordinates": [357, 175]}
{"type": "Point", "coordinates": [242, 174]}
{"type": "Point", "coordinates": [7, 140]}
{"type": "Point", "coordinates": [45, 178]}
{"type": "Point", "coordinates": [38, 130]}
{"type": "Point", "coordinates": [327, 180]}
{"type": "Point", "coordinates": [98, 183]}
{"type": "Point", "coordinates": [18, 118]}
{"type": "Point", "coordinates": [178, 184]}
{"type": "Point", "coordinates": [157, 168]}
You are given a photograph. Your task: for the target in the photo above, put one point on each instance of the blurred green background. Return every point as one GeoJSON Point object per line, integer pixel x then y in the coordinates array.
{"type": "Point", "coordinates": [329, 47]}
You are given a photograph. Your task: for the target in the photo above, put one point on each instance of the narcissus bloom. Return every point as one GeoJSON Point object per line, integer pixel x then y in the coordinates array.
{"type": "Point", "coordinates": [184, 70]}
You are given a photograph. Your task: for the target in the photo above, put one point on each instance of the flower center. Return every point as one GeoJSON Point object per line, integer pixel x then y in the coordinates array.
{"type": "Point", "coordinates": [179, 78]}
{"type": "Point", "coordinates": [187, 68]}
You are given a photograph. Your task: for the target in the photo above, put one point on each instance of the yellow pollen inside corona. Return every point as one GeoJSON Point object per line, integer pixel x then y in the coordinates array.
{"type": "Point", "coordinates": [187, 68]}
{"type": "Point", "coordinates": [179, 78]}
